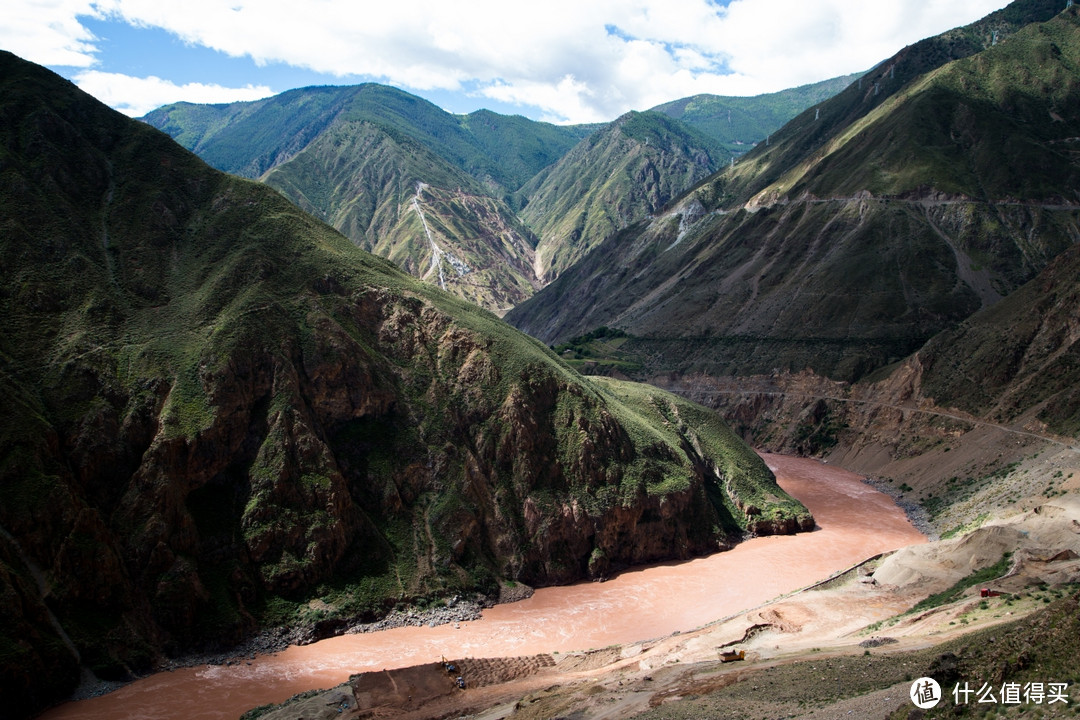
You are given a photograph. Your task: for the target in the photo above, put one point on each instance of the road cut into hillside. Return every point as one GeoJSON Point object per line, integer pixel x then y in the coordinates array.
{"type": "Point", "coordinates": [854, 522]}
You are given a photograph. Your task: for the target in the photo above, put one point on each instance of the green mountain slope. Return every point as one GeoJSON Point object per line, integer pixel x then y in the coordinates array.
{"type": "Point", "coordinates": [249, 138]}
{"type": "Point", "coordinates": [515, 148]}
{"type": "Point", "coordinates": [740, 123]}
{"type": "Point", "coordinates": [867, 225]}
{"type": "Point", "coordinates": [355, 156]}
{"type": "Point", "coordinates": [617, 176]}
{"type": "Point", "coordinates": [219, 409]}
{"type": "Point", "coordinates": [395, 198]}
{"type": "Point", "coordinates": [924, 119]}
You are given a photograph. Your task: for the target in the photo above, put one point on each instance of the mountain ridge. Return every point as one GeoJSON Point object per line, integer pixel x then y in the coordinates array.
{"type": "Point", "coordinates": [424, 210]}
{"type": "Point", "coordinates": [740, 123]}
{"type": "Point", "coordinates": [234, 137]}
{"type": "Point", "coordinates": [355, 155]}
{"type": "Point", "coordinates": [799, 256]}
{"type": "Point", "coordinates": [306, 143]}
{"type": "Point", "coordinates": [617, 176]}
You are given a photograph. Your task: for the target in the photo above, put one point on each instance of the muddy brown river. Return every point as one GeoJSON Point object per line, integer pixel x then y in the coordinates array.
{"type": "Point", "coordinates": [854, 522]}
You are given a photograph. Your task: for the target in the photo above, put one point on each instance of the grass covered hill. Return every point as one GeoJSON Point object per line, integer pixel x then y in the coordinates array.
{"type": "Point", "coordinates": [740, 123]}
{"type": "Point", "coordinates": [249, 138]}
{"type": "Point", "coordinates": [220, 409]}
{"type": "Point", "coordinates": [397, 199]}
{"type": "Point", "coordinates": [356, 156]}
{"type": "Point", "coordinates": [938, 183]}
{"type": "Point", "coordinates": [496, 186]}
{"type": "Point", "coordinates": [617, 176]}
{"type": "Point", "coordinates": [978, 112]}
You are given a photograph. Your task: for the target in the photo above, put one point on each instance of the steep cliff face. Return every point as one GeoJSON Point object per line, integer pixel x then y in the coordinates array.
{"type": "Point", "coordinates": [220, 409]}
{"type": "Point", "coordinates": [399, 200]}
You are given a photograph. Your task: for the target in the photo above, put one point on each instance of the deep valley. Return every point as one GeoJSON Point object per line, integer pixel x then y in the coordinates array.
{"type": "Point", "coordinates": [316, 390]}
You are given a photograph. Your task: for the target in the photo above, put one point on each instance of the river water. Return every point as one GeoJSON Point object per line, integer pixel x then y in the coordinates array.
{"type": "Point", "coordinates": [854, 522]}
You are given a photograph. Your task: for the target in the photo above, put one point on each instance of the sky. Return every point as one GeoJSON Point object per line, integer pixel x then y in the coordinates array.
{"type": "Point", "coordinates": [561, 61]}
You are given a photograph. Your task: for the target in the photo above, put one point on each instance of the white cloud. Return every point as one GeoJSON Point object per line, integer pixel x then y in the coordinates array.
{"type": "Point", "coordinates": [48, 32]}
{"type": "Point", "coordinates": [137, 96]}
{"type": "Point", "coordinates": [575, 61]}
{"type": "Point", "coordinates": [571, 97]}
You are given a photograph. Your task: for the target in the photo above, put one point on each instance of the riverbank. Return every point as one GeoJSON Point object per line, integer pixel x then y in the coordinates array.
{"type": "Point", "coordinates": [916, 513]}
{"type": "Point", "coordinates": [849, 647]}
{"type": "Point", "coordinates": [854, 521]}
{"type": "Point", "coordinates": [275, 640]}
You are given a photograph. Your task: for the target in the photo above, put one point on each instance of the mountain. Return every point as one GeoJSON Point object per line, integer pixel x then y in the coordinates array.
{"type": "Point", "coordinates": [370, 160]}
{"type": "Point", "coordinates": [395, 173]}
{"type": "Point", "coordinates": [395, 198]}
{"type": "Point", "coordinates": [941, 181]}
{"type": "Point", "coordinates": [249, 138]}
{"type": "Point", "coordinates": [740, 123]}
{"type": "Point", "coordinates": [615, 177]}
{"type": "Point", "coordinates": [1019, 358]}
{"type": "Point", "coordinates": [516, 148]}
{"type": "Point", "coordinates": [220, 409]}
